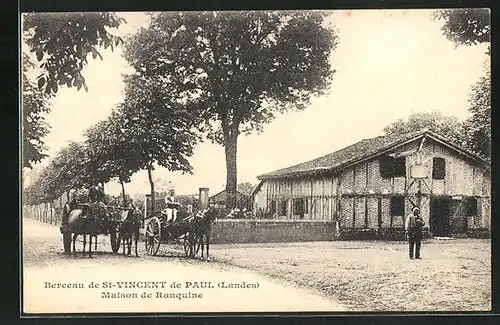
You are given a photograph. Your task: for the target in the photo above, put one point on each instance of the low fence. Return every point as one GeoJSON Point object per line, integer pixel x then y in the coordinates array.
{"type": "Point", "coordinates": [228, 231]}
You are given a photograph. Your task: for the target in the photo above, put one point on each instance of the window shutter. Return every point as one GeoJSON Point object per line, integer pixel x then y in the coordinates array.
{"type": "Point", "coordinates": [386, 166]}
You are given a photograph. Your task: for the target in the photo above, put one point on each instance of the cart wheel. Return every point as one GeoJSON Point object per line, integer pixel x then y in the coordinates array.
{"type": "Point", "coordinates": [67, 242]}
{"type": "Point", "coordinates": [115, 241]}
{"type": "Point", "coordinates": [152, 236]}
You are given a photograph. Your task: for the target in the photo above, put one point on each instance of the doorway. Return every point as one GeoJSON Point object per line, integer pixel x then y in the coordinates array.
{"type": "Point", "coordinates": [439, 221]}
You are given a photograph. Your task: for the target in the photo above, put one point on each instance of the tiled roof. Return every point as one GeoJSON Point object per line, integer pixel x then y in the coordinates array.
{"type": "Point", "coordinates": [352, 154]}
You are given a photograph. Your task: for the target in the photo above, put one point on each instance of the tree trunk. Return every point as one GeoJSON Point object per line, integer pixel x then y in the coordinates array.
{"type": "Point", "coordinates": [60, 208]}
{"type": "Point", "coordinates": [230, 147]}
{"type": "Point", "coordinates": [123, 193]}
{"type": "Point", "coordinates": [67, 195]}
{"type": "Point", "coordinates": [152, 184]}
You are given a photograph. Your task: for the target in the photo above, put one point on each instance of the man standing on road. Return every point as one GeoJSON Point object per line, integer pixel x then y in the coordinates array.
{"type": "Point", "coordinates": [413, 231]}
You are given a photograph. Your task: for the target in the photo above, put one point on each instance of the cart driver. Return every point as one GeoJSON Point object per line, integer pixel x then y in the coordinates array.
{"type": "Point", "coordinates": [171, 207]}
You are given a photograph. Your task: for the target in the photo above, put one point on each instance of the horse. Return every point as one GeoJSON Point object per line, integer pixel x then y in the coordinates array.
{"type": "Point", "coordinates": [202, 227]}
{"type": "Point", "coordinates": [129, 227]}
{"type": "Point", "coordinates": [87, 221]}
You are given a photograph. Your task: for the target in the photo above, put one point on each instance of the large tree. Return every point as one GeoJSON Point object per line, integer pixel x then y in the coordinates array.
{"type": "Point", "coordinates": [111, 152]}
{"type": "Point", "coordinates": [447, 126]}
{"type": "Point", "coordinates": [60, 43]}
{"type": "Point", "coordinates": [240, 68]}
{"type": "Point", "coordinates": [156, 130]}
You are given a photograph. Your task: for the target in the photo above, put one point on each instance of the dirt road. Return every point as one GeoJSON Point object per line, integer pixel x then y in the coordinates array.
{"type": "Point", "coordinates": [453, 275]}
{"type": "Point", "coordinates": [115, 283]}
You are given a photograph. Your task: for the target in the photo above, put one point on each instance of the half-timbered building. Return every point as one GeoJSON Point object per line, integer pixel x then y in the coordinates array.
{"type": "Point", "coordinates": [374, 183]}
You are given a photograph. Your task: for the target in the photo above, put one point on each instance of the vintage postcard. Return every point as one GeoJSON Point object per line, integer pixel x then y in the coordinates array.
{"type": "Point", "coordinates": [256, 161]}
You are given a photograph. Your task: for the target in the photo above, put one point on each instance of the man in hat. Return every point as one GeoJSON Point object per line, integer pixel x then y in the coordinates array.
{"type": "Point", "coordinates": [413, 231]}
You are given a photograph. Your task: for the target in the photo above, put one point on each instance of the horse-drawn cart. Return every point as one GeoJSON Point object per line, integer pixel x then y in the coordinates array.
{"type": "Point", "coordinates": [108, 226]}
{"type": "Point", "coordinates": [191, 230]}
{"type": "Point", "coordinates": [158, 230]}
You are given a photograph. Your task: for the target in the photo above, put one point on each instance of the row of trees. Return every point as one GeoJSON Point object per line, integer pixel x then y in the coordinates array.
{"type": "Point", "coordinates": [218, 74]}
{"type": "Point", "coordinates": [213, 74]}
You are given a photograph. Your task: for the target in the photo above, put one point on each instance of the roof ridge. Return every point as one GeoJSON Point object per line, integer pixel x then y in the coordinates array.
{"type": "Point", "coordinates": [360, 150]}
{"type": "Point", "coordinates": [397, 138]}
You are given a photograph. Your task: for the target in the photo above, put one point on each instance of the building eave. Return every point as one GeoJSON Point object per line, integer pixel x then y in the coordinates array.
{"type": "Point", "coordinates": [356, 160]}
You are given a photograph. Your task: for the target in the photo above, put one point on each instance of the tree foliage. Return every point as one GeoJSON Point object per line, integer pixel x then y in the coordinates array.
{"type": "Point", "coordinates": [447, 126]}
{"type": "Point", "coordinates": [471, 134]}
{"type": "Point", "coordinates": [61, 44]}
{"type": "Point", "coordinates": [469, 26]}
{"type": "Point", "coordinates": [156, 128]}
{"type": "Point", "coordinates": [61, 175]}
{"type": "Point", "coordinates": [472, 27]}
{"type": "Point", "coordinates": [478, 125]}
{"type": "Point", "coordinates": [34, 128]}
{"type": "Point", "coordinates": [63, 41]}
{"type": "Point", "coordinates": [238, 69]}
{"type": "Point", "coordinates": [245, 188]}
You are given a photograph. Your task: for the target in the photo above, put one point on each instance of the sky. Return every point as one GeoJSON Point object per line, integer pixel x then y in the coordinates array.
{"type": "Point", "coordinates": [389, 64]}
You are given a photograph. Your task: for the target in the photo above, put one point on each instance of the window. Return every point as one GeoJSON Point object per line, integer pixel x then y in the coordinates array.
{"type": "Point", "coordinates": [386, 166]}
{"type": "Point", "coordinates": [471, 207]}
{"type": "Point", "coordinates": [397, 206]}
{"type": "Point", "coordinates": [272, 206]}
{"type": "Point", "coordinates": [438, 168]}
{"type": "Point", "coordinates": [300, 207]}
{"type": "Point", "coordinates": [392, 167]}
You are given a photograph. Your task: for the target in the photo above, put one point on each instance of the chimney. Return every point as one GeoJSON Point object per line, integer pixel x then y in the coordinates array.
{"type": "Point", "coordinates": [203, 197]}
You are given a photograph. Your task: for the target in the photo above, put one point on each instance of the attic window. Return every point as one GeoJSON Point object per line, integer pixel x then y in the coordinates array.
{"type": "Point", "coordinates": [438, 168]}
{"type": "Point", "coordinates": [392, 167]}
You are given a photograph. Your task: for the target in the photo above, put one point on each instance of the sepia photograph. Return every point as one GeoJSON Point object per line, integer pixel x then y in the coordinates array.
{"type": "Point", "coordinates": [255, 161]}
